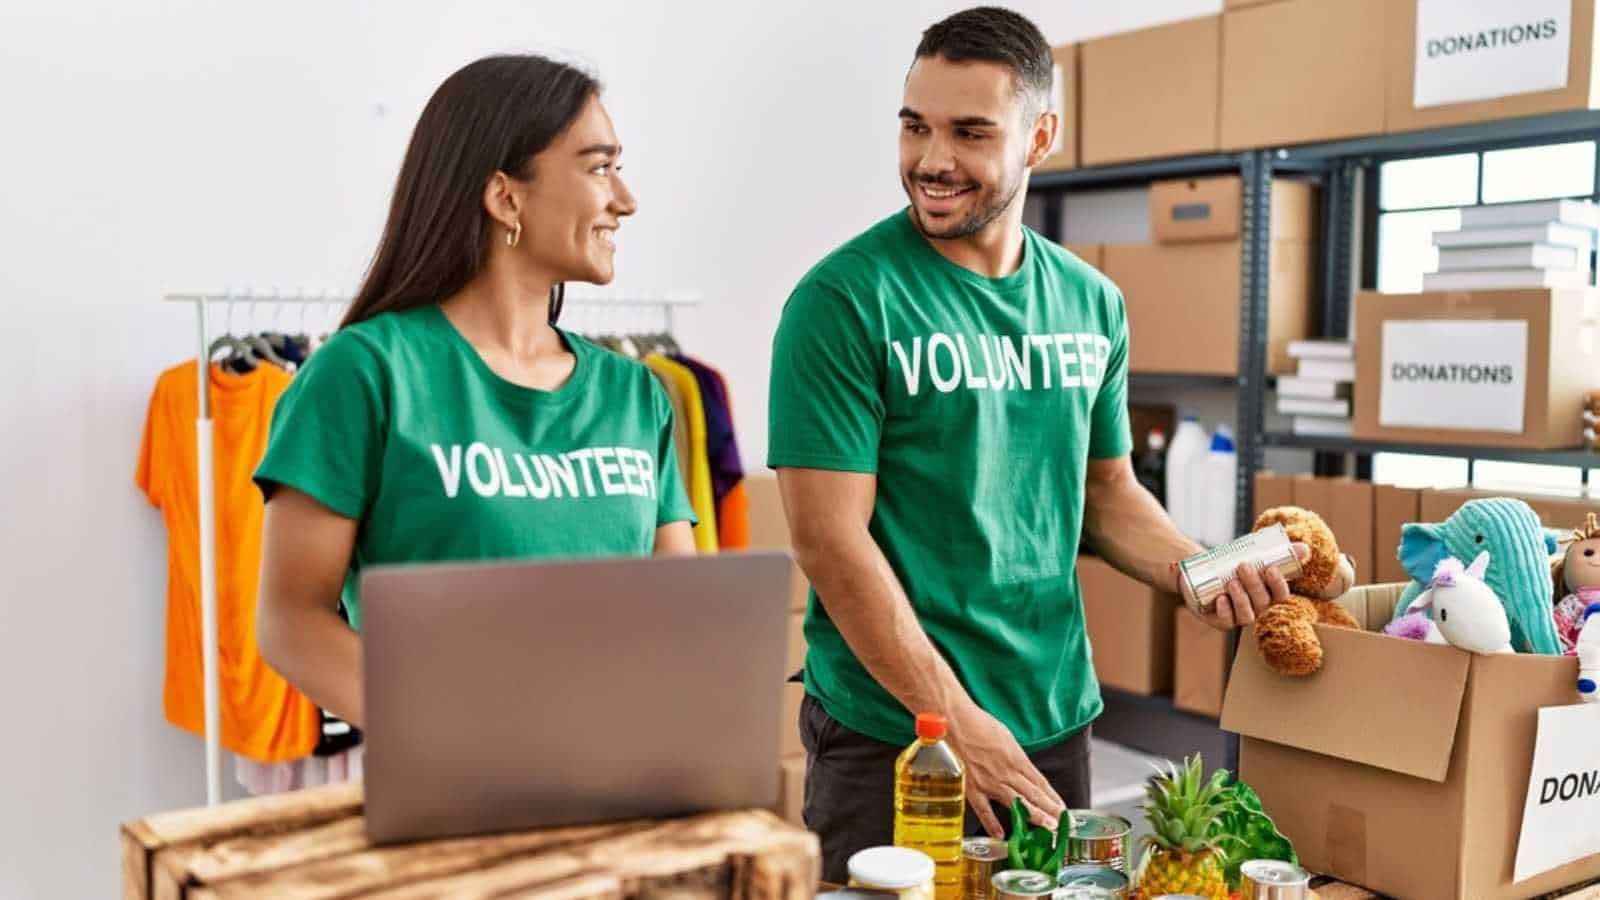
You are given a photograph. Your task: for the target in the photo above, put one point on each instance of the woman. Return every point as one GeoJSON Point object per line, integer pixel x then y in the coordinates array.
{"type": "Point", "coordinates": [449, 418]}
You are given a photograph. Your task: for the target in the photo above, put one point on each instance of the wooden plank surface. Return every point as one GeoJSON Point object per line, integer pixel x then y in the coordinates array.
{"type": "Point", "coordinates": [136, 839]}
{"type": "Point", "coordinates": [739, 856]}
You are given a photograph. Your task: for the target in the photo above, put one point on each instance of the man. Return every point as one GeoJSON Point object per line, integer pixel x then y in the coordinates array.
{"type": "Point", "coordinates": [948, 416]}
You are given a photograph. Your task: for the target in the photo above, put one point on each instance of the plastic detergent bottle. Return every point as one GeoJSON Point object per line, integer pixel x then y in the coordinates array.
{"type": "Point", "coordinates": [1220, 468]}
{"type": "Point", "coordinates": [1188, 446]}
{"type": "Point", "coordinates": [930, 803]}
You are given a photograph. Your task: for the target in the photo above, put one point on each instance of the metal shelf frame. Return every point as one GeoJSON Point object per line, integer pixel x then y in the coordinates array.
{"type": "Point", "coordinates": [1347, 171]}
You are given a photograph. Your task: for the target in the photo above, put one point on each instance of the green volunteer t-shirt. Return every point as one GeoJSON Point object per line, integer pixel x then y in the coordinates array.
{"type": "Point", "coordinates": [978, 403]}
{"type": "Point", "coordinates": [399, 423]}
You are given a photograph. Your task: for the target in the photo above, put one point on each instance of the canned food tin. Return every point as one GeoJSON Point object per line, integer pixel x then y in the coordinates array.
{"type": "Point", "coordinates": [1100, 839]}
{"type": "Point", "coordinates": [1207, 574]}
{"type": "Point", "coordinates": [1111, 883]}
{"type": "Point", "coordinates": [1022, 884]}
{"type": "Point", "coordinates": [1083, 892]}
{"type": "Point", "coordinates": [1269, 879]}
{"type": "Point", "coordinates": [980, 856]}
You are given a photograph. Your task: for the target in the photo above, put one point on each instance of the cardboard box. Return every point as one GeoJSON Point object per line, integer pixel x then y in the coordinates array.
{"type": "Point", "coordinates": [1183, 304]}
{"type": "Point", "coordinates": [1393, 508]}
{"type": "Point", "coordinates": [1151, 93]}
{"type": "Point", "coordinates": [1560, 513]}
{"type": "Point", "coordinates": [1299, 71]}
{"type": "Point", "coordinates": [790, 745]}
{"type": "Point", "coordinates": [1561, 362]}
{"type": "Point", "coordinates": [1093, 254]}
{"type": "Point", "coordinates": [792, 781]}
{"type": "Point", "coordinates": [1130, 629]}
{"type": "Point", "coordinates": [1183, 299]}
{"type": "Point", "coordinates": [1064, 100]}
{"type": "Point", "coordinates": [1273, 490]}
{"type": "Point", "coordinates": [1483, 71]}
{"type": "Point", "coordinates": [1401, 766]}
{"type": "Point", "coordinates": [1347, 506]}
{"type": "Point", "coordinates": [1196, 209]}
{"type": "Point", "coordinates": [1200, 665]}
{"type": "Point", "coordinates": [1242, 4]}
{"type": "Point", "coordinates": [797, 642]}
{"type": "Point", "coordinates": [1157, 280]}
{"type": "Point", "coordinates": [769, 530]}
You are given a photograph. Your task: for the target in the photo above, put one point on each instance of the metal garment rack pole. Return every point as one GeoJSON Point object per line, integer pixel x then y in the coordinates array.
{"type": "Point", "coordinates": [206, 455]}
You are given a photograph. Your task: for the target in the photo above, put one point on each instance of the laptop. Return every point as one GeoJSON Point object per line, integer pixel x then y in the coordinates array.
{"type": "Point", "coordinates": [506, 697]}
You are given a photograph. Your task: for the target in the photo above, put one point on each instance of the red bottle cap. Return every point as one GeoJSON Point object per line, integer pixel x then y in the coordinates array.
{"type": "Point", "coordinates": [931, 726]}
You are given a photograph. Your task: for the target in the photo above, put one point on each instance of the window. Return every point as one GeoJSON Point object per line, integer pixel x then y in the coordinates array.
{"type": "Point", "coordinates": [1417, 197]}
{"type": "Point", "coordinates": [1407, 470]}
{"type": "Point", "coordinates": [1535, 173]}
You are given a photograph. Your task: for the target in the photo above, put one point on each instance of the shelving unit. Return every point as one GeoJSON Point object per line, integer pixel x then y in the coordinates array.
{"type": "Point", "coordinates": [1348, 173]}
{"type": "Point", "coordinates": [1342, 169]}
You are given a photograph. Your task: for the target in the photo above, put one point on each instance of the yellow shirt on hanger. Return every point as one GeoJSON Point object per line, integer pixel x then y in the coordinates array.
{"type": "Point", "coordinates": [682, 448]}
{"type": "Point", "coordinates": [701, 496]}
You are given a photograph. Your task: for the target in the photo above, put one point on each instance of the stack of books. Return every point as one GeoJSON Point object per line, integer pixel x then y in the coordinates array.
{"type": "Point", "coordinates": [1317, 396]}
{"type": "Point", "coordinates": [1539, 244]}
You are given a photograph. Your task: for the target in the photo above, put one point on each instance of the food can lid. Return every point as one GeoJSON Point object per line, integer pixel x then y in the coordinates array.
{"type": "Point", "coordinates": [894, 868]}
{"type": "Point", "coordinates": [1273, 871]}
{"type": "Point", "coordinates": [985, 849]}
{"type": "Point", "coordinates": [1099, 876]}
{"type": "Point", "coordinates": [1024, 881]}
{"type": "Point", "coordinates": [1089, 824]}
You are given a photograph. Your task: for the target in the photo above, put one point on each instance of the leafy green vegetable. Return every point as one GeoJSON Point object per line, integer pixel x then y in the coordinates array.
{"type": "Point", "coordinates": [1256, 837]}
{"type": "Point", "coordinates": [1036, 849]}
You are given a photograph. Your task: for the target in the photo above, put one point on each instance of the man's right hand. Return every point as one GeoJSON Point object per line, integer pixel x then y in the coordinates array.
{"type": "Point", "coordinates": [998, 770]}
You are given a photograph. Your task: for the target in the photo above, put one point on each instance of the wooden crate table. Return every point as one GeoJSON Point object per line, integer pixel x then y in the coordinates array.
{"type": "Point", "coordinates": [313, 844]}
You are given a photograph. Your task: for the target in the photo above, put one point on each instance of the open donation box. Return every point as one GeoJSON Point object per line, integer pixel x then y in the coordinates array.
{"type": "Point", "coordinates": [1405, 767]}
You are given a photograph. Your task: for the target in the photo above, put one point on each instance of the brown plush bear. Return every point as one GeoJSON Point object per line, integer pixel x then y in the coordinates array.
{"type": "Point", "coordinates": [1288, 642]}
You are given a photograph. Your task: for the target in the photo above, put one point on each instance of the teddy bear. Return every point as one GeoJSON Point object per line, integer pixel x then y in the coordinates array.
{"type": "Point", "coordinates": [1285, 632]}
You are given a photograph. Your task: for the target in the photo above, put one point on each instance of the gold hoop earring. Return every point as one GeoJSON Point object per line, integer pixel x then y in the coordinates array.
{"type": "Point", "coordinates": [515, 235]}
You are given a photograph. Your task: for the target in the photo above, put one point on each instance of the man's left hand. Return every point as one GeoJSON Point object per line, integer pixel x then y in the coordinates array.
{"type": "Point", "coordinates": [1247, 596]}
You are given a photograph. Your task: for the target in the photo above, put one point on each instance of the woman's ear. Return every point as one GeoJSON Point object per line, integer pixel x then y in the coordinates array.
{"type": "Point", "coordinates": [500, 201]}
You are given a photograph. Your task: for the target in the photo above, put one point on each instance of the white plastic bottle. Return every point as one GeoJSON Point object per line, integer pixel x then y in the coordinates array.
{"type": "Point", "coordinates": [1220, 468]}
{"type": "Point", "coordinates": [1187, 448]}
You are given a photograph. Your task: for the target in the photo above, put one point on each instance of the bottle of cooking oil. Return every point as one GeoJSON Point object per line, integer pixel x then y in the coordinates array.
{"type": "Point", "coordinates": [930, 803]}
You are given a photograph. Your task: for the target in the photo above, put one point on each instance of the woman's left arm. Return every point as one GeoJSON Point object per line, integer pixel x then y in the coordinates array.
{"type": "Point", "coordinates": [675, 539]}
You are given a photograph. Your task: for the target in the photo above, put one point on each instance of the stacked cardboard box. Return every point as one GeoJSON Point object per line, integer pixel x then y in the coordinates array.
{"type": "Point", "coordinates": [1481, 368]}
{"type": "Point", "coordinates": [1182, 290]}
{"type": "Point", "coordinates": [1317, 396]}
{"type": "Point", "coordinates": [769, 530]}
{"type": "Point", "coordinates": [1540, 244]}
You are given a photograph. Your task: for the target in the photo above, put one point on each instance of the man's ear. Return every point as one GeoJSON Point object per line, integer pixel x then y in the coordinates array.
{"type": "Point", "coordinates": [1043, 137]}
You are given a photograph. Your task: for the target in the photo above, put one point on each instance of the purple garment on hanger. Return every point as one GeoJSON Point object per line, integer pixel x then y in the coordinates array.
{"type": "Point", "coordinates": [722, 446]}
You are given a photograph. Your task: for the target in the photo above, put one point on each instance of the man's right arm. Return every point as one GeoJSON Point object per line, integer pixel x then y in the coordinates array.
{"type": "Point", "coordinates": [828, 514]}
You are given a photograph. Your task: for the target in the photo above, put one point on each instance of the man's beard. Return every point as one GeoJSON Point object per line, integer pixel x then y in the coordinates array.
{"type": "Point", "coordinates": [984, 211]}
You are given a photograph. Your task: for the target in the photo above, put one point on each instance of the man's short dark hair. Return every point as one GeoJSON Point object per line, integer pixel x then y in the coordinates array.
{"type": "Point", "coordinates": [995, 35]}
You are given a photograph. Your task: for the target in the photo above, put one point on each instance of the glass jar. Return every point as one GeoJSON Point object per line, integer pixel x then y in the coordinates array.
{"type": "Point", "coordinates": [908, 873]}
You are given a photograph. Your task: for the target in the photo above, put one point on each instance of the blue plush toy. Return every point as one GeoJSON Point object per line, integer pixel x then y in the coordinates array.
{"type": "Point", "coordinates": [1520, 576]}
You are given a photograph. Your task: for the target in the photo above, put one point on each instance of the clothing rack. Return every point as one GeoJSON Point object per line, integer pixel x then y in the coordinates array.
{"type": "Point", "coordinates": [208, 505]}
{"type": "Point", "coordinates": [663, 301]}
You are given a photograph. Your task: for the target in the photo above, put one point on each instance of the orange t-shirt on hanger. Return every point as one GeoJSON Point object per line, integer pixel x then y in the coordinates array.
{"type": "Point", "coordinates": [262, 716]}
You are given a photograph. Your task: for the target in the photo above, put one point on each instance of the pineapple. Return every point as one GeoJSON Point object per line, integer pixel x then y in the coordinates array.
{"type": "Point", "coordinates": [1182, 855]}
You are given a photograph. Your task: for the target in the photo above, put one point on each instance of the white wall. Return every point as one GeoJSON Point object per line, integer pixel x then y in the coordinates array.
{"type": "Point", "coordinates": [192, 144]}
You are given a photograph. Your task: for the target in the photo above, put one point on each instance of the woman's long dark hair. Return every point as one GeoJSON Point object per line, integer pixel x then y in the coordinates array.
{"type": "Point", "coordinates": [491, 116]}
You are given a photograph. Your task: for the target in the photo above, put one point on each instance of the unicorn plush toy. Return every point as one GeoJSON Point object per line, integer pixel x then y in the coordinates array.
{"type": "Point", "coordinates": [1465, 611]}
